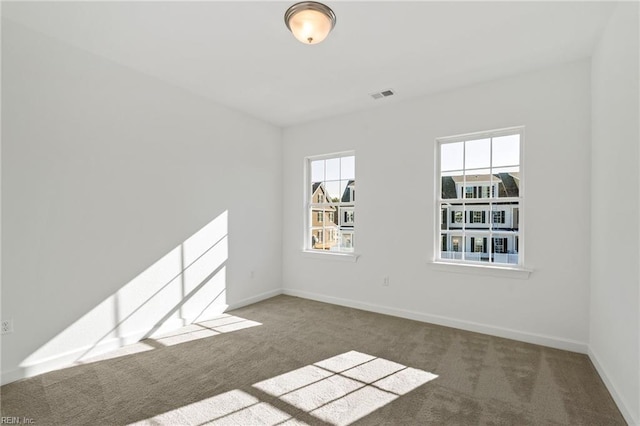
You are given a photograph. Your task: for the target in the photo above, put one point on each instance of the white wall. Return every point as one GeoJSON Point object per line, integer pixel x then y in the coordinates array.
{"type": "Point", "coordinates": [394, 147]}
{"type": "Point", "coordinates": [105, 172]}
{"type": "Point", "coordinates": [614, 339]}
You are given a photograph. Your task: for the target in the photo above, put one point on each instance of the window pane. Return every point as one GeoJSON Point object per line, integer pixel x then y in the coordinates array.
{"type": "Point", "coordinates": [504, 248]}
{"type": "Point", "coordinates": [316, 238]}
{"type": "Point", "coordinates": [478, 185]}
{"type": "Point", "coordinates": [444, 217]}
{"type": "Point", "coordinates": [477, 216]}
{"type": "Point", "coordinates": [348, 167]}
{"type": "Point", "coordinates": [324, 238]}
{"type": "Point", "coordinates": [345, 241]}
{"type": "Point", "coordinates": [515, 217]}
{"type": "Point", "coordinates": [451, 156]}
{"type": "Point", "coordinates": [477, 247]}
{"type": "Point", "coordinates": [499, 217]}
{"type": "Point", "coordinates": [333, 191]}
{"type": "Point", "coordinates": [331, 217]}
{"type": "Point", "coordinates": [469, 254]}
{"type": "Point", "coordinates": [508, 181]}
{"type": "Point", "coordinates": [458, 218]}
{"type": "Point", "coordinates": [332, 169]}
{"type": "Point", "coordinates": [451, 216]}
{"type": "Point", "coordinates": [317, 217]}
{"type": "Point", "coordinates": [477, 154]}
{"type": "Point", "coordinates": [451, 246]}
{"type": "Point", "coordinates": [347, 217]}
{"type": "Point", "coordinates": [317, 193]}
{"type": "Point", "coordinates": [456, 246]}
{"type": "Point", "coordinates": [345, 191]}
{"type": "Point", "coordinates": [317, 171]}
{"type": "Point", "coordinates": [450, 182]}
{"type": "Point", "coordinates": [506, 151]}
{"type": "Point", "coordinates": [331, 236]}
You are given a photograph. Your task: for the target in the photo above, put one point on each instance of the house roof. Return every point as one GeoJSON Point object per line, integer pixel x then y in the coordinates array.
{"type": "Point", "coordinates": [448, 187]}
{"type": "Point", "coordinates": [510, 186]}
{"type": "Point", "coordinates": [475, 178]}
{"type": "Point", "coordinates": [508, 183]}
{"type": "Point", "coordinates": [345, 195]}
{"type": "Point", "coordinates": [315, 188]}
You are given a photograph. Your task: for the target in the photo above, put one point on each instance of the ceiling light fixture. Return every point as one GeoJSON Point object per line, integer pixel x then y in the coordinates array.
{"type": "Point", "coordinates": [310, 21]}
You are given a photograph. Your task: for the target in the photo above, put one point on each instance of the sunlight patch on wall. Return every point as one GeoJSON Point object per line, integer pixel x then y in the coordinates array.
{"type": "Point", "coordinates": [222, 324]}
{"type": "Point", "coordinates": [186, 285]}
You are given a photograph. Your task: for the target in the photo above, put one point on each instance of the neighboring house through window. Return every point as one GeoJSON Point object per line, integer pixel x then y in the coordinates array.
{"type": "Point", "coordinates": [331, 185]}
{"type": "Point", "coordinates": [479, 197]}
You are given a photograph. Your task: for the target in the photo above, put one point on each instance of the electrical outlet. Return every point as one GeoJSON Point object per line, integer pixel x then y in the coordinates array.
{"type": "Point", "coordinates": [385, 282]}
{"type": "Point", "coordinates": [7, 326]}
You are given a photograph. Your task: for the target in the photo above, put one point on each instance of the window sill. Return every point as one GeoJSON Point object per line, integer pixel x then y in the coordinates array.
{"type": "Point", "coordinates": [342, 257]}
{"type": "Point", "coordinates": [484, 270]}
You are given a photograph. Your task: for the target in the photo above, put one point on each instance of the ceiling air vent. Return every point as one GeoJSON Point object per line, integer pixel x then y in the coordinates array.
{"type": "Point", "coordinates": [383, 94]}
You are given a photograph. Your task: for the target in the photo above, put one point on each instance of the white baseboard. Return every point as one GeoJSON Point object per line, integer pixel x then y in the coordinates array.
{"type": "Point", "coordinates": [620, 402]}
{"type": "Point", "coordinates": [11, 376]}
{"type": "Point", "coordinates": [74, 356]}
{"type": "Point", "coordinates": [254, 299]}
{"type": "Point", "coordinates": [538, 339]}
{"type": "Point", "coordinates": [77, 355]}
{"type": "Point", "coordinates": [68, 359]}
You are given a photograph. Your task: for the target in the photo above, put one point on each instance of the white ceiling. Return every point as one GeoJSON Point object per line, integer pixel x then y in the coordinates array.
{"type": "Point", "coordinates": [240, 54]}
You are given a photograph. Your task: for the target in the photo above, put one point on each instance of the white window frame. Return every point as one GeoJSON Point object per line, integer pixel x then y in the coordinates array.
{"type": "Point", "coordinates": [310, 205]}
{"type": "Point", "coordinates": [437, 259]}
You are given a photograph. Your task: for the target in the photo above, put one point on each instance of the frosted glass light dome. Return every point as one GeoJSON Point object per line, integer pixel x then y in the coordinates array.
{"type": "Point", "coordinates": [310, 21]}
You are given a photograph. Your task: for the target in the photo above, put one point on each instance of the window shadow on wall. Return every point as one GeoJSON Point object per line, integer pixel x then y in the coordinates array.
{"type": "Point", "coordinates": [185, 286]}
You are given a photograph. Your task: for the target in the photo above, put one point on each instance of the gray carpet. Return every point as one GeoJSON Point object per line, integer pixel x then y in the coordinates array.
{"type": "Point", "coordinates": [292, 361]}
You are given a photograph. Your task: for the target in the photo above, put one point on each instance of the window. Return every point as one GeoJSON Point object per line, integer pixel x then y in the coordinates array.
{"type": "Point", "coordinates": [500, 245]}
{"type": "Point", "coordinates": [479, 197]}
{"type": "Point", "coordinates": [469, 192]}
{"type": "Point", "coordinates": [478, 244]}
{"type": "Point", "coordinates": [497, 217]}
{"type": "Point", "coordinates": [477, 217]}
{"type": "Point", "coordinates": [457, 217]}
{"type": "Point", "coordinates": [331, 184]}
{"type": "Point", "coordinates": [348, 217]}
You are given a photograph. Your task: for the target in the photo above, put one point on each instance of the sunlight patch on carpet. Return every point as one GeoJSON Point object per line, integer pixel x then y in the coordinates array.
{"type": "Point", "coordinates": [230, 408]}
{"type": "Point", "coordinates": [224, 323]}
{"type": "Point", "coordinates": [338, 390]}
{"type": "Point", "coordinates": [345, 388]}
{"type": "Point", "coordinates": [135, 348]}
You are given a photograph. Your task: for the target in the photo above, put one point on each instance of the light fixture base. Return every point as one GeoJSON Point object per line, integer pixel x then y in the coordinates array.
{"type": "Point", "coordinates": [313, 23]}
